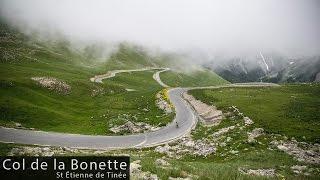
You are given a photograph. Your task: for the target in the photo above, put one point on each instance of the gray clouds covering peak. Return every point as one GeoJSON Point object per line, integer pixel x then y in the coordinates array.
{"type": "Point", "coordinates": [231, 26]}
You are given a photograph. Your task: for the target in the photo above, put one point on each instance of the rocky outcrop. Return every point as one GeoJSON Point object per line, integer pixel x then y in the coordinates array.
{"type": "Point", "coordinates": [258, 172]}
{"type": "Point", "coordinates": [247, 121]}
{"type": "Point", "coordinates": [53, 84]}
{"type": "Point", "coordinates": [31, 151]}
{"type": "Point", "coordinates": [131, 127]}
{"type": "Point", "coordinates": [254, 134]}
{"type": "Point", "coordinates": [236, 111]}
{"type": "Point", "coordinates": [209, 114]}
{"type": "Point", "coordinates": [298, 169]}
{"type": "Point", "coordinates": [161, 162]}
{"type": "Point", "coordinates": [301, 151]}
{"type": "Point", "coordinates": [187, 145]}
{"type": "Point", "coordinates": [223, 131]}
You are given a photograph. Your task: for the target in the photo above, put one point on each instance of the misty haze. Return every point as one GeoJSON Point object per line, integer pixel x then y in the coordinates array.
{"type": "Point", "coordinates": [200, 89]}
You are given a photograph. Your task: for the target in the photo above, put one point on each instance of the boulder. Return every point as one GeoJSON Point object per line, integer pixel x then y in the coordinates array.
{"type": "Point", "coordinates": [258, 172]}
{"type": "Point", "coordinates": [254, 134]}
{"type": "Point", "coordinates": [298, 169]}
{"type": "Point", "coordinates": [161, 162]}
{"type": "Point", "coordinates": [17, 125]}
{"type": "Point", "coordinates": [247, 121]}
{"type": "Point", "coordinates": [163, 149]}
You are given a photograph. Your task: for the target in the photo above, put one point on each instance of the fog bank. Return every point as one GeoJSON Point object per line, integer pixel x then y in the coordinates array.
{"type": "Point", "coordinates": [207, 27]}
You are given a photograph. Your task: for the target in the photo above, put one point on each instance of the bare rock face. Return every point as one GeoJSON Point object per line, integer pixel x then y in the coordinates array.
{"type": "Point", "coordinates": [53, 84]}
{"type": "Point", "coordinates": [301, 151]}
{"type": "Point", "coordinates": [258, 172]}
{"type": "Point", "coordinates": [209, 114]}
{"type": "Point", "coordinates": [254, 134]}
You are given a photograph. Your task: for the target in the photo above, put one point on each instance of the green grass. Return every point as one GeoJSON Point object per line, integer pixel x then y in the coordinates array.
{"type": "Point", "coordinates": [129, 57]}
{"type": "Point", "coordinates": [292, 110]}
{"type": "Point", "coordinates": [220, 165]}
{"type": "Point", "coordinates": [33, 106]}
{"type": "Point", "coordinates": [195, 78]}
{"type": "Point", "coordinates": [24, 101]}
{"type": "Point", "coordinates": [5, 148]}
{"type": "Point", "coordinates": [203, 168]}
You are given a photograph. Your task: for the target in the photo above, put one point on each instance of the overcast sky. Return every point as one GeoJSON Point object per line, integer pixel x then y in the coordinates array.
{"type": "Point", "coordinates": [233, 26]}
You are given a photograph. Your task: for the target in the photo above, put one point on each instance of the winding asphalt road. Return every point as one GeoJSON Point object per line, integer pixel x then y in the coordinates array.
{"type": "Point", "coordinates": [184, 116]}
{"type": "Point", "coordinates": [156, 76]}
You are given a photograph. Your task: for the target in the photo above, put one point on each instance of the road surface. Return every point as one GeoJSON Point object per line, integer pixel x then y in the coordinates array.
{"type": "Point", "coordinates": [156, 76]}
{"type": "Point", "coordinates": [184, 116]}
{"type": "Point", "coordinates": [113, 73]}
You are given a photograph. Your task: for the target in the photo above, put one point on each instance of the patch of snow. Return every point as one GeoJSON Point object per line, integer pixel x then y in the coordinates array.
{"type": "Point", "coordinates": [264, 61]}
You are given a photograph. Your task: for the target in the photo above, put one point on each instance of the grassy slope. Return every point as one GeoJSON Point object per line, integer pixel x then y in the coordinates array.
{"type": "Point", "coordinates": [291, 110]}
{"type": "Point", "coordinates": [23, 101]}
{"type": "Point", "coordinates": [223, 164]}
{"type": "Point", "coordinates": [129, 57]}
{"type": "Point", "coordinates": [220, 165]}
{"type": "Point", "coordinates": [196, 78]}
{"type": "Point", "coordinates": [205, 168]}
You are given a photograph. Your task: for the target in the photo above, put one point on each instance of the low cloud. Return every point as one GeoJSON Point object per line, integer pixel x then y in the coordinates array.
{"type": "Point", "coordinates": [205, 27]}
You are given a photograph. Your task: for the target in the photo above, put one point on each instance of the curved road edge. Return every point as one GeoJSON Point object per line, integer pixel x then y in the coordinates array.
{"type": "Point", "coordinates": [185, 117]}
{"type": "Point", "coordinates": [113, 73]}
{"type": "Point", "coordinates": [156, 77]}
